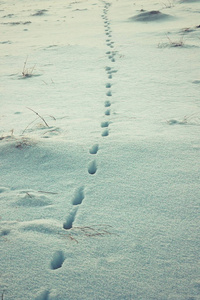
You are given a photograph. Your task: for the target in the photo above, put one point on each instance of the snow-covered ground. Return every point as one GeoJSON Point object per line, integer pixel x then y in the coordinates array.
{"type": "Point", "coordinates": [99, 150]}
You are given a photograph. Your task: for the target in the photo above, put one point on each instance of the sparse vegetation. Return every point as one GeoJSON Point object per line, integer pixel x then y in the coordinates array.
{"type": "Point", "coordinates": [179, 43]}
{"type": "Point", "coordinates": [168, 4]}
{"type": "Point", "coordinates": [9, 136]}
{"type": "Point", "coordinates": [39, 116]}
{"type": "Point", "coordinates": [27, 72]}
{"type": "Point", "coordinates": [89, 231]}
{"type": "Point", "coordinates": [20, 142]}
{"type": "Point", "coordinates": [171, 43]}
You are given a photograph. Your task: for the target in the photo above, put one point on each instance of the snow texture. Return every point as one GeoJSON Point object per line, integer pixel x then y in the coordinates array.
{"type": "Point", "coordinates": [99, 150]}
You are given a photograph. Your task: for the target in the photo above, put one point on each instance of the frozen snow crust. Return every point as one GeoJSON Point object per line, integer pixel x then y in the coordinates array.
{"type": "Point", "coordinates": [99, 150]}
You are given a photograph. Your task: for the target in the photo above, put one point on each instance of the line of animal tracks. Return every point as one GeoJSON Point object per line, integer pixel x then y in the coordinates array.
{"type": "Point", "coordinates": [92, 167]}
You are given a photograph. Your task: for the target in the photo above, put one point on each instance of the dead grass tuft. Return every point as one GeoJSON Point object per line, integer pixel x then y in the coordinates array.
{"type": "Point", "coordinates": [168, 4]}
{"type": "Point", "coordinates": [27, 72]}
{"type": "Point", "coordinates": [19, 142]}
{"type": "Point", "coordinates": [179, 43]}
{"type": "Point", "coordinates": [174, 44]}
{"type": "Point", "coordinates": [38, 116]}
{"type": "Point", "coordinates": [89, 231]}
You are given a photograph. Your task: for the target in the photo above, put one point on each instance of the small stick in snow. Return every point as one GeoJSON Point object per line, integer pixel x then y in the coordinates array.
{"type": "Point", "coordinates": [39, 116]}
{"type": "Point", "coordinates": [73, 239]}
{"type": "Point", "coordinates": [29, 195]}
{"type": "Point", "coordinates": [28, 125]}
{"type": "Point", "coordinates": [23, 72]}
{"type": "Point", "coordinates": [47, 192]}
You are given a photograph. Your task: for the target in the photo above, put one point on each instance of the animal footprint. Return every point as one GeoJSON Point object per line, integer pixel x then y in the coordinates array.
{"type": "Point", "coordinates": [108, 69]}
{"type": "Point", "coordinates": [109, 93]}
{"type": "Point", "coordinates": [57, 260]}
{"type": "Point", "coordinates": [104, 124]}
{"type": "Point", "coordinates": [94, 149]}
{"type": "Point", "coordinates": [92, 167]}
{"type": "Point", "coordinates": [107, 112]}
{"type": "Point", "coordinates": [79, 196]}
{"type": "Point", "coordinates": [4, 232]}
{"type": "Point", "coordinates": [70, 219]}
{"type": "Point", "coordinates": [42, 295]}
{"type": "Point", "coordinates": [105, 132]}
{"type": "Point", "coordinates": [110, 43]}
{"type": "Point", "coordinates": [108, 85]}
{"type": "Point", "coordinates": [107, 103]}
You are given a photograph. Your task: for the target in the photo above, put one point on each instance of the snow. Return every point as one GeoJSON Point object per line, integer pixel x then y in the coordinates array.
{"type": "Point", "coordinates": [99, 148]}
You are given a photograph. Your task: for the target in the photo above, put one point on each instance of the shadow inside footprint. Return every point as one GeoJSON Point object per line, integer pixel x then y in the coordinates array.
{"type": "Point", "coordinates": [107, 112]}
{"type": "Point", "coordinates": [92, 167]}
{"type": "Point", "coordinates": [108, 85]}
{"type": "Point", "coordinates": [107, 103]}
{"type": "Point", "coordinates": [4, 232]}
{"type": "Point", "coordinates": [105, 132]}
{"type": "Point", "coordinates": [57, 260]}
{"type": "Point", "coordinates": [70, 219]}
{"type": "Point", "coordinates": [104, 124]}
{"type": "Point", "coordinates": [94, 149]}
{"type": "Point", "coordinates": [43, 295]}
{"type": "Point", "coordinates": [79, 196]}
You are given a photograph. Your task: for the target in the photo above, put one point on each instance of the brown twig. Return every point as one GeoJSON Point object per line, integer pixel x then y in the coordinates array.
{"type": "Point", "coordinates": [52, 117]}
{"type": "Point", "coordinates": [39, 116]}
{"type": "Point", "coordinates": [29, 195]}
{"type": "Point", "coordinates": [73, 239]}
{"type": "Point", "coordinates": [47, 192]}
{"type": "Point", "coordinates": [28, 125]}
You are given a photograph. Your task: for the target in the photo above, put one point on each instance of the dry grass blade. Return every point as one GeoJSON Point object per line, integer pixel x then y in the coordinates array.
{"type": "Point", "coordinates": [89, 232]}
{"type": "Point", "coordinates": [9, 136]}
{"type": "Point", "coordinates": [73, 239]}
{"type": "Point", "coordinates": [92, 231]}
{"type": "Point", "coordinates": [47, 192]}
{"type": "Point", "coordinates": [169, 4]}
{"type": "Point", "coordinates": [29, 195]}
{"type": "Point", "coordinates": [39, 116]}
{"type": "Point", "coordinates": [52, 117]}
{"type": "Point", "coordinates": [24, 68]}
{"type": "Point", "coordinates": [29, 125]}
{"type": "Point", "coordinates": [179, 43]}
{"type": "Point", "coordinates": [27, 72]}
